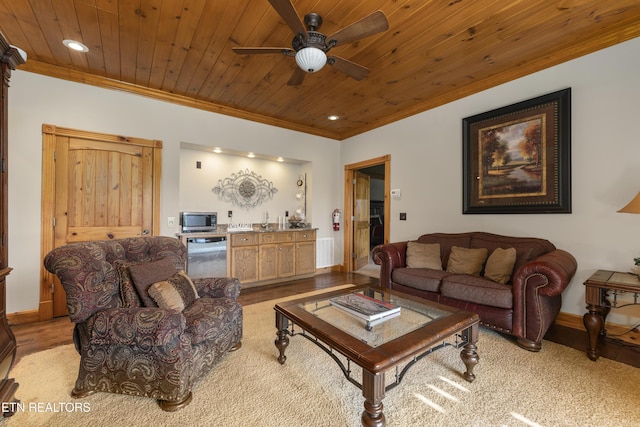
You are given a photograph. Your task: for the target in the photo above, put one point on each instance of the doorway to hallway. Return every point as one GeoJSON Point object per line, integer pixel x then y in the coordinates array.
{"type": "Point", "coordinates": [366, 211]}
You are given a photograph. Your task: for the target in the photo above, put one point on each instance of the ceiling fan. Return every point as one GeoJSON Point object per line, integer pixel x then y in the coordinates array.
{"type": "Point", "coordinates": [310, 47]}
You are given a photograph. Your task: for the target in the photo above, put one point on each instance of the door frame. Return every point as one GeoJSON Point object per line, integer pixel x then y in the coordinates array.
{"type": "Point", "coordinates": [349, 176]}
{"type": "Point", "coordinates": [47, 239]}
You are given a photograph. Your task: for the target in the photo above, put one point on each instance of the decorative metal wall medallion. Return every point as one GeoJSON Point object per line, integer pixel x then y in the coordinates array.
{"type": "Point", "coordinates": [246, 189]}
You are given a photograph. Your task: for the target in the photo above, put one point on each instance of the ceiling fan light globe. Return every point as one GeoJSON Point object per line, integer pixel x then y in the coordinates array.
{"type": "Point", "coordinates": [311, 59]}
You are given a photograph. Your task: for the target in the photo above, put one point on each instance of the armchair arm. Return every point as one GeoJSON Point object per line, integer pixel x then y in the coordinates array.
{"type": "Point", "coordinates": [218, 287]}
{"type": "Point", "coordinates": [557, 267]}
{"type": "Point", "coordinates": [146, 326]}
{"type": "Point", "coordinates": [388, 257]}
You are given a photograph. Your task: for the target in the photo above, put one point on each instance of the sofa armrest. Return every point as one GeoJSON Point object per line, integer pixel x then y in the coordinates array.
{"type": "Point", "coordinates": [388, 257]}
{"type": "Point", "coordinates": [218, 287]}
{"type": "Point", "coordinates": [147, 326]}
{"type": "Point", "coordinates": [557, 267]}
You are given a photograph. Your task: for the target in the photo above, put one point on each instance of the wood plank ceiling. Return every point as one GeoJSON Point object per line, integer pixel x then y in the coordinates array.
{"type": "Point", "coordinates": [434, 52]}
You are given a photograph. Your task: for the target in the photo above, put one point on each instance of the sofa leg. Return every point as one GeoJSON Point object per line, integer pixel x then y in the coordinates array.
{"type": "Point", "coordinates": [79, 394]}
{"type": "Point", "coordinates": [236, 346]}
{"type": "Point", "coordinates": [169, 406]}
{"type": "Point", "coordinates": [529, 345]}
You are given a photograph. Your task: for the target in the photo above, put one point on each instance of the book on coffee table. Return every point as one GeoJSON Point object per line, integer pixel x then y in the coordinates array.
{"type": "Point", "coordinates": [365, 307]}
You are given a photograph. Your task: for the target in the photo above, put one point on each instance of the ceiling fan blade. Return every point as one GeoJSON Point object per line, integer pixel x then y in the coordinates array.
{"type": "Point", "coordinates": [352, 69]}
{"type": "Point", "coordinates": [253, 50]}
{"type": "Point", "coordinates": [289, 15]}
{"type": "Point", "coordinates": [297, 77]}
{"type": "Point", "coordinates": [367, 26]}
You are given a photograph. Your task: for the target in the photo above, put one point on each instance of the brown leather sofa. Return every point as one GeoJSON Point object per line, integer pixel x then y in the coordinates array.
{"type": "Point", "coordinates": [525, 306]}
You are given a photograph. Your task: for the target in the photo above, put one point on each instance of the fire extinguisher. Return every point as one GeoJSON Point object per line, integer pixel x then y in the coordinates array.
{"type": "Point", "coordinates": [336, 220]}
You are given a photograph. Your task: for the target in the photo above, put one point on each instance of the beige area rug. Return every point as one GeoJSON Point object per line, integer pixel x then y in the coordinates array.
{"type": "Point", "coordinates": [371, 270]}
{"type": "Point", "coordinates": [559, 386]}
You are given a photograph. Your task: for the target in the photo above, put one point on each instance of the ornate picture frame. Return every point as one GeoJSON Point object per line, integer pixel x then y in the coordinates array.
{"type": "Point", "coordinates": [516, 159]}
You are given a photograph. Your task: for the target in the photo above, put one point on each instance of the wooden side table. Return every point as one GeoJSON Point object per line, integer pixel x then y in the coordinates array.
{"type": "Point", "coordinates": [598, 289]}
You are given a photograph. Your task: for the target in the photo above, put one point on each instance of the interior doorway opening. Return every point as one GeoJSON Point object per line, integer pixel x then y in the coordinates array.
{"type": "Point", "coordinates": [366, 210]}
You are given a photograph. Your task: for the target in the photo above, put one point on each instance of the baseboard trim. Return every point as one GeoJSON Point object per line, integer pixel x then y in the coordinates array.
{"type": "Point", "coordinates": [22, 317]}
{"type": "Point", "coordinates": [570, 321]}
{"type": "Point", "coordinates": [620, 332]}
{"type": "Point", "coordinates": [332, 269]}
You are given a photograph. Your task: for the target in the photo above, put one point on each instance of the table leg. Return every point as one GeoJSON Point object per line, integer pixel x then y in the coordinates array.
{"type": "Point", "coordinates": [373, 392]}
{"type": "Point", "coordinates": [282, 340]}
{"type": "Point", "coordinates": [468, 354]}
{"type": "Point", "coordinates": [594, 324]}
{"type": "Point", "coordinates": [605, 309]}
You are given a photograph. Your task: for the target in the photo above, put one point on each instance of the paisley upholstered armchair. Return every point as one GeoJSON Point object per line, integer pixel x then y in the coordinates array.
{"type": "Point", "coordinates": [143, 327]}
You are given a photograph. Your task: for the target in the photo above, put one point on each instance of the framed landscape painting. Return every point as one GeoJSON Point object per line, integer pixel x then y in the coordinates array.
{"type": "Point", "coordinates": [516, 159]}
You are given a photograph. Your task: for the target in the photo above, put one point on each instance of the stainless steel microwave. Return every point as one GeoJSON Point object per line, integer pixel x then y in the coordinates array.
{"type": "Point", "coordinates": [198, 221]}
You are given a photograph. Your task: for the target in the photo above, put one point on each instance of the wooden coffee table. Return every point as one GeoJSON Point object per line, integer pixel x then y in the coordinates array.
{"type": "Point", "coordinates": [421, 328]}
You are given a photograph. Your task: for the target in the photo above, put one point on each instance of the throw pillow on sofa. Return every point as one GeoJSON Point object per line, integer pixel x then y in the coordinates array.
{"type": "Point", "coordinates": [128, 291]}
{"type": "Point", "coordinates": [466, 261]}
{"type": "Point", "coordinates": [147, 273]}
{"type": "Point", "coordinates": [176, 293]}
{"type": "Point", "coordinates": [424, 255]}
{"type": "Point", "coordinates": [500, 265]}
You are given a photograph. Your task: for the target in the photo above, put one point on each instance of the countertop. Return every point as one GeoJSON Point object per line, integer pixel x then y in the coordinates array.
{"type": "Point", "coordinates": [222, 231]}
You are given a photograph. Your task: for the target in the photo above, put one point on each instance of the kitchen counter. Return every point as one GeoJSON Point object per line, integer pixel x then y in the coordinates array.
{"type": "Point", "coordinates": [222, 231]}
{"type": "Point", "coordinates": [263, 255]}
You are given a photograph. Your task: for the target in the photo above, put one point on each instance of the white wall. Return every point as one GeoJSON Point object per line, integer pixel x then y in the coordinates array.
{"type": "Point", "coordinates": [196, 186]}
{"type": "Point", "coordinates": [426, 164]}
{"type": "Point", "coordinates": [35, 100]}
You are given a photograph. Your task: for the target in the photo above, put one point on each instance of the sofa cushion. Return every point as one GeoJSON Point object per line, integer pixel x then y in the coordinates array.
{"type": "Point", "coordinates": [175, 293]}
{"type": "Point", "coordinates": [500, 265]}
{"type": "Point", "coordinates": [207, 317]}
{"type": "Point", "coordinates": [425, 279]}
{"type": "Point", "coordinates": [424, 255]}
{"type": "Point", "coordinates": [466, 261]}
{"type": "Point", "coordinates": [477, 290]}
{"type": "Point", "coordinates": [146, 274]}
{"type": "Point", "coordinates": [527, 248]}
{"type": "Point", "coordinates": [446, 242]}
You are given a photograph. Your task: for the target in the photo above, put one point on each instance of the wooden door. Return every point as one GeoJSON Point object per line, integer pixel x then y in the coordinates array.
{"type": "Point", "coordinates": [349, 205]}
{"type": "Point", "coordinates": [361, 219]}
{"type": "Point", "coordinates": [100, 187]}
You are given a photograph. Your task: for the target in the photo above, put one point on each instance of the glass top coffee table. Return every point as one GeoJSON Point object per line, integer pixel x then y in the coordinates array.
{"type": "Point", "coordinates": [379, 345]}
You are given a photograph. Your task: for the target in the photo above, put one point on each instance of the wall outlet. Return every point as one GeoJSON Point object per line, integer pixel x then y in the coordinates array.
{"type": "Point", "coordinates": [230, 214]}
{"type": "Point", "coordinates": [403, 216]}
{"type": "Point", "coordinates": [171, 221]}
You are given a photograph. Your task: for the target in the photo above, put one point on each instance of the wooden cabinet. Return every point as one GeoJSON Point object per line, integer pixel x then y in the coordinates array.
{"type": "Point", "coordinates": [244, 257]}
{"type": "Point", "coordinates": [305, 252]}
{"type": "Point", "coordinates": [265, 257]}
{"type": "Point", "coordinates": [276, 255]}
{"type": "Point", "coordinates": [10, 58]}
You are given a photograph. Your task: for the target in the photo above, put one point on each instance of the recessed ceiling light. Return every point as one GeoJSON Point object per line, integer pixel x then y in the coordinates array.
{"type": "Point", "coordinates": [217, 150]}
{"type": "Point", "coordinates": [333, 117]}
{"type": "Point", "coordinates": [72, 44]}
{"type": "Point", "coordinates": [280, 159]}
{"type": "Point", "coordinates": [251, 155]}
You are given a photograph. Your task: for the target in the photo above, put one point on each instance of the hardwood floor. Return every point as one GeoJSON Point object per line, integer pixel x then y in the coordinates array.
{"type": "Point", "coordinates": [34, 337]}
{"type": "Point", "coordinates": [40, 336]}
